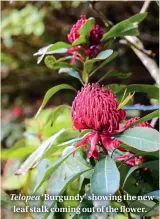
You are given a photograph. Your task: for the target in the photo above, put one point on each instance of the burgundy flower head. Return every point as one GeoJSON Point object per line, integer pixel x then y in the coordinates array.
{"type": "Point", "coordinates": [117, 143]}
{"type": "Point", "coordinates": [93, 47]}
{"type": "Point", "coordinates": [95, 108]}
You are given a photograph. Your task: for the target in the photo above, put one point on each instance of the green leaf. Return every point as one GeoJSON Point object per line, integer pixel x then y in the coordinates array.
{"type": "Point", "coordinates": [6, 200]}
{"type": "Point", "coordinates": [141, 138]}
{"type": "Point", "coordinates": [152, 165]}
{"type": "Point", "coordinates": [88, 65]}
{"type": "Point", "coordinates": [37, 154]}
{"type": "Point", "coordinates": [39, 173]}
{"type": "Point", "coordinates": [153, 154]}
{"type": "Point", "coordinates": [57, 51]}
{"type": "Point", "coordinates": [51, 63]}
{"type": "Point", "coordinates": [131, 170]}
{"type": "Point", "coordinates": [114, 87]}
{"type": "Point", "coordinates": [87, 27]}
{"type": "Point", "coordinates": [103, 55]}
{"type": "Point", "coordinates": [72, 165]}
{"type": "Point", "coordinates": [106, 178]}
{"type": "Point", "coordinates": [85, 76]}
{"type": "Point", "coordinates": [62, 120]}
{"type": "Point", "coordinates": [138, 17]}
{"type": "Point", "coordinates": [58, 65]}
{"type": "Point", "coordinates": [61, 146]}
{"type": "Point", "coordinates": [151, 90]}
{"type": "Point", "coordinates": [127, 27]}
{"type": "Point", "coordinates": [75, 164]}
{"type": "Point", "coordinates": [81, 40]}
{"type": "Point", "coordinates": [59, 45]}
{"type": "Point", "coordinates": [50, 170]}
{"type": "Point", "coordinates": [147, 204]}
{"type": "Point", "coordinates": [116, 74]}
{"type": "Point", "coordinates": [105, 62]}
{"type": "Point", "coordinates": [73, 216]}
{"type": "Point", "coordinates": [71, 72]}
{"type": "Point", "coordinates": [56, 112]}
{"type": "Point", "coordinates": [145, 118]}
{"type": "Point", "coordinates": [150, 212]}
{"type": "Point", "coordinates": [155, 194]}
{"type": "Point", "coordinates": [84, 31]}
{"type": "Point", "coordinates": [121, 29]}
{"type": "Point", "coordinates": [86, 204]}
{"type": "Point", "coordinates": [119, 74]}
{"type": "Point", "coordinates": [51, 92]}
{"type": "Point", "coordinates": [63, 187]}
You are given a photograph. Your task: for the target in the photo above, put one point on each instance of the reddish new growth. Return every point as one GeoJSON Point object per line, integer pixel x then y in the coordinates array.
{"type": "Point", "coordinates": [132, 120]}
{"type": "Point", "coordinates": [96, 108]}
{"type": "Point", "coordinates": [92, 48]}
{"type": "Point", "coordinates": [134, 161]}
{"type": "Point", "coordinates": [130, 159]}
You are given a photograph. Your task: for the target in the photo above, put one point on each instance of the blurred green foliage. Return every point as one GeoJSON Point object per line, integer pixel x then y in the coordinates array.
{"type": "Point", "coordinates": [28, 20]}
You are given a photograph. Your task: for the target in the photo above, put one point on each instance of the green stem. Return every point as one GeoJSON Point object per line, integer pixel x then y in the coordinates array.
{"type": "Point", "coordinates": [96, 69]}
{"type": "Point", "coordinates": [109, 59]}
{"type": "Point", "coordinates": [125, 202]}
{"type": "Point", "coordinates": [103, 148]}
{"type": "Point", "coordinates": [27, 205]}
{"type": "Point", "coordinates": [116, 149]}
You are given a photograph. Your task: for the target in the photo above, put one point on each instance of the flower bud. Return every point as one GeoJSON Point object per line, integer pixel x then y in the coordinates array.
{"type": "Point", "coordinates": [92, 48]}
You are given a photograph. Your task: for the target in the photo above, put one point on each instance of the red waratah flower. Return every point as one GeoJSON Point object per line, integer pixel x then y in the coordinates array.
{"type": "Point", "coordinates": [96, 108]}
{"type": "Point", "coordinates": [92, 48]}
{"type": "Point", "coordinates": [130, 159]}
{"type": "Point", "coordinates": [117, 143]}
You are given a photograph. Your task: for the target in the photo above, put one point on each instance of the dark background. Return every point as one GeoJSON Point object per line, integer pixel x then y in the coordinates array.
{"type": "Point", "coordinates": [28, 26]}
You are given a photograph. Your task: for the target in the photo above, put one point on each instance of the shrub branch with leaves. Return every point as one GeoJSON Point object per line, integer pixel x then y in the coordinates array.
{"type": "Point", "coordinates": [92, 143]}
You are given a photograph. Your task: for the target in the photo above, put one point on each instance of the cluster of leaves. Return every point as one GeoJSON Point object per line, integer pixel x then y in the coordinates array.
{"type": "Point", "coordinates": [49, 138]}
{"type": "Point", "coordinates": [126, 27]}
